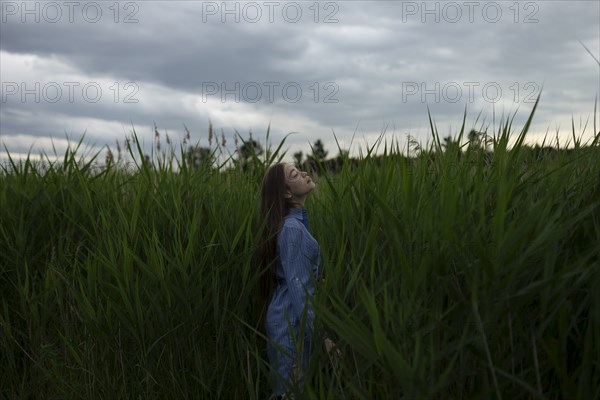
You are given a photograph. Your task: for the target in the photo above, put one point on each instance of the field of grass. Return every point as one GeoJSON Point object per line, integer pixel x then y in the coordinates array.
{"type": "Point", "coordinates": [449, 275]}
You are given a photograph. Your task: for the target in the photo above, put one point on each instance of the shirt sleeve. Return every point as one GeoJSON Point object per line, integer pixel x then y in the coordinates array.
{"type": "Point", "coordinates": [297, 268]}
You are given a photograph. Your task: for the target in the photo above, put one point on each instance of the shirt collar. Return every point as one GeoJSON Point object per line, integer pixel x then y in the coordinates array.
{"type": "Point", "coordinates": [300, 214]}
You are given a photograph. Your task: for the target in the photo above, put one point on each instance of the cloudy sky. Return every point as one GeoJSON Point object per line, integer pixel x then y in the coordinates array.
{"type": "Point", "coordinates": [353, 68]}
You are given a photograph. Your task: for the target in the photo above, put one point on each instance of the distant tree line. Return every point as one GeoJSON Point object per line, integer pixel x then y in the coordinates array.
{"type": "Point", "coordinates": [249, 150]}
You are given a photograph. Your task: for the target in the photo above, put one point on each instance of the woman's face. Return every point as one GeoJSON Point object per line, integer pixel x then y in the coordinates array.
{"type": "Point", "coordinates": [298, 182]}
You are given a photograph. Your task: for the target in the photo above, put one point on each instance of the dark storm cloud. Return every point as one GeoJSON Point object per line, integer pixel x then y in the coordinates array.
{"type": "Point", "coordinates": [369, 58]}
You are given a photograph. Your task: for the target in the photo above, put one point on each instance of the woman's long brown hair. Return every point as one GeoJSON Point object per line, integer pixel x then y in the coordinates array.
{"type": "Point", "coordinates": [273, 207]}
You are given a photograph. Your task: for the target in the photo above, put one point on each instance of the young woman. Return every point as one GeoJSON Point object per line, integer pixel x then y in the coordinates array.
{"type": "Point", "coordinates": [290, 259]}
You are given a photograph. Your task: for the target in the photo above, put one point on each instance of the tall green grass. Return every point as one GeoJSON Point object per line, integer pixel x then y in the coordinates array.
{"type": "Point", "coordinates": [451, 274]}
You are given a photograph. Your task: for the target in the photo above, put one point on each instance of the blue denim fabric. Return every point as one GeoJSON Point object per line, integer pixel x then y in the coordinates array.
{"type": "Point", "coordinates": [298, 258]}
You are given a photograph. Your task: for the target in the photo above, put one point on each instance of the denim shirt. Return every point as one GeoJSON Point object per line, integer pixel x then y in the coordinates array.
{"type": "Point", "coordinates": [298, 259]}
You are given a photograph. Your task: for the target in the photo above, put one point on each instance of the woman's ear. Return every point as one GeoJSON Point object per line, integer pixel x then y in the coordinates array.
{"type": "Point", "coordinates": [287, 194]}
